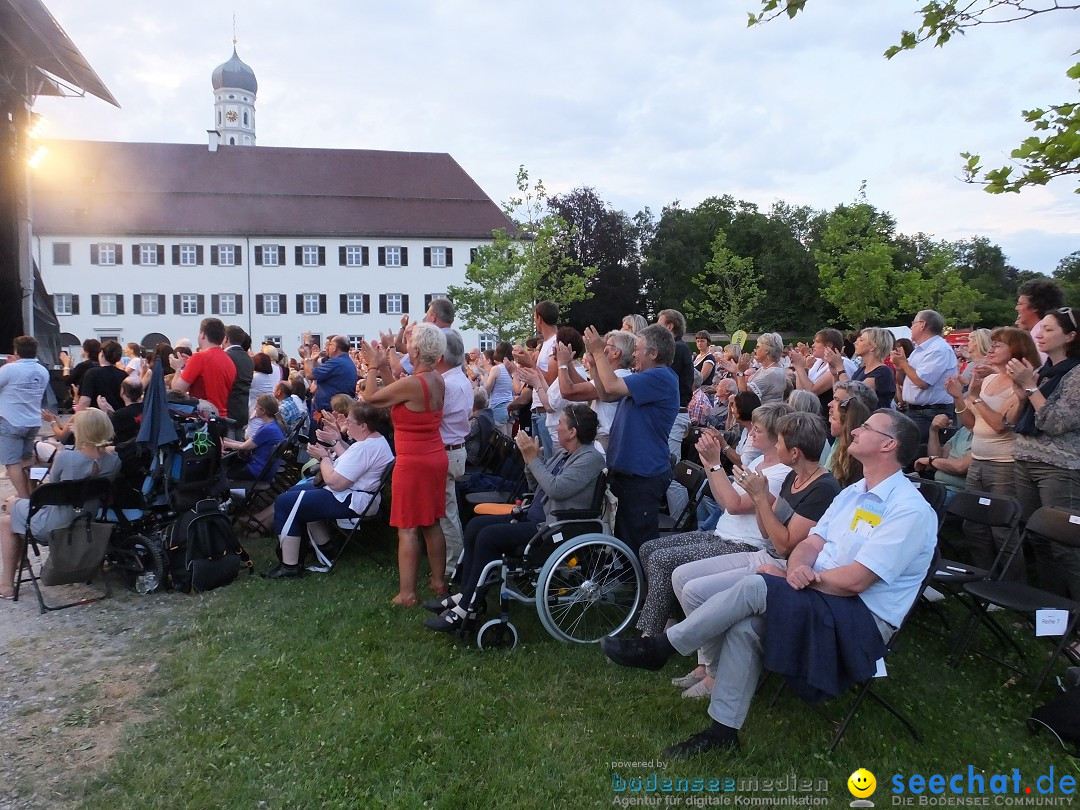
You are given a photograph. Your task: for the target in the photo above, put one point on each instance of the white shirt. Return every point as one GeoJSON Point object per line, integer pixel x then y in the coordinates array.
{"type": "Point", "coordinates": [457, 405]}
{"type": "Point", "coordinates": [542, 361]}
{"type": "Point", "coordinates": [744, 528]}
{"type": "Point", "coordinates": [935, 362]}
{"type": "Point", "coordinates": [891, 530]}
{"type": "Point", "coordinates": [363, 464]}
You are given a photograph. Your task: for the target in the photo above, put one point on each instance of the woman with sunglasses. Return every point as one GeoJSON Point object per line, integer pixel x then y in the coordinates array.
{"type": "Point", "coordinates": [566, 481]}
{"type": "Point", "coordinates": [1048, 441]}
{"type": "Point", "coordinates": [852, 404]}
{"type": "Point", "coordinates": [990, 408]}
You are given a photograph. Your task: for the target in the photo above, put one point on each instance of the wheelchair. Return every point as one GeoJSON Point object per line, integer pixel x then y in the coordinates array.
{"type": "Point", "coordinates": [584, 582]}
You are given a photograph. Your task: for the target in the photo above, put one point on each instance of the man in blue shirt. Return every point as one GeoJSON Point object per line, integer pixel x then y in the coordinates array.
{"type": "Point", "coordinates": [639, 464]}
{"type": "Point", "coordinates": [873, 545]}
{"type": "Point", "coordinates": [334, 375]}
{"type": "Point", "coordinates": [927, 370]}
{"type": "Point", "coordinates": [22, 385]}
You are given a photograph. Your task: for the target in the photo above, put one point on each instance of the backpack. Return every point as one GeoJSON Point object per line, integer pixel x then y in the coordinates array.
{"type": "Point", "coordinates": [203, 552]}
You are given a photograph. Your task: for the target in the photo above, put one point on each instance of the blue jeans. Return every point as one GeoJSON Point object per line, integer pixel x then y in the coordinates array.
{"type": "Point", "coordinates": [540, 431]}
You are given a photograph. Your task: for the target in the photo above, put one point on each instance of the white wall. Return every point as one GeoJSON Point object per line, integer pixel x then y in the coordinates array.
{"type": "Point", "coordinates": [128, 279]}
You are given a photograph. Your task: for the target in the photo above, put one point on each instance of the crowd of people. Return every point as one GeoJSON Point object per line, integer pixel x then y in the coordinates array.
{"type": "Point", "coordinates": [805, 448]}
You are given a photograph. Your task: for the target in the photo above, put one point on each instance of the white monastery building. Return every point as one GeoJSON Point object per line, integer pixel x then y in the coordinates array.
{"type": "Point", "coordinates": [138, 242]}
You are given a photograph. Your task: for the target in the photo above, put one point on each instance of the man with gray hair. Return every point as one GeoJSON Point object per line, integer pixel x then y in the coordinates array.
{"type": "Point", "coordinates": [457, 405]}
{"type": "Point", "coordinates": [925, 373]}
{"type": "Point", "coordinates": [847, 588]}
{"type": "Point", "coordinates": [639, 463]}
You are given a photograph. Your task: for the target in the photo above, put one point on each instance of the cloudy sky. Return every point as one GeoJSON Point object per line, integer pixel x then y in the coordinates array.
{"type": "Point", "coordinates": [647, 102]}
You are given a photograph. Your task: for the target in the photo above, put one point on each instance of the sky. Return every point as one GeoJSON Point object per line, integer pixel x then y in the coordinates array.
{"type": "Point", "coordinates": [648, 103]}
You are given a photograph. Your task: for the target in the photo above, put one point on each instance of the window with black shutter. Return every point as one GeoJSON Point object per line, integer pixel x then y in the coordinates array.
{"type": "Point", "coordinates": [367, 302]}
{"type": "Point", "coordinates": [161, 304]}
{"type": "Point", "coordinates": [282, 302]}
{"type": "Point", "coordinates": [177, 307]}
{"type": "Point", "coordinates": [215, 304]}
{"type": "Point", "coordinates": [322, 301]}
{"type": "Point", "coordinates": [136, 304]}
{"type": "Point", "coordinates": [75, 304]}
{"type": "Point", "coordinates": [472, 254]}
{"type": "Point", "coordinates": [258, 305]}
{"type": "Point", "coordinates": [176, 254]}
{"type": "Point", "coordinates": [258, 254]}
{"type": "Point", "coordinates": [382, 300]}
{"type": "Point", "coordinates": [405, 257]}
{"type": "Point", "coordinates": [364, 256]}
{"type": "Point", "coordinates": [299, 256]}
{"type": "Point", "coordinates": [341, 258]}
{"type": "Point", "coordinates": [449, 257]}
{"type": "Point", "coordinates": [93, 254]}
{"type": "Point", "coordinates": [427, 301]}
{"type": "Point", "coordinates": [202, 305]}
{"type": "Point", "coordinates": [300, 303]}
{"type": "Point", "coordinates": [239, 304]}
{"type": "Point", "coordinates": [199, 255]}
{"type": "Point", "coordinates": [427, 257]}
{"type": "Point", "coordinates": [119, 304]}
{"type": "Point", "coordinates": [213, 255]}
{"type": "Point", "coordinates": [95, 304]}
{"type": "Point", "coordinates": [136, 255]}
{"type": "Point", "coordinates": [382, 258]}
{"type": "Point", "coordinates": [404, 298]}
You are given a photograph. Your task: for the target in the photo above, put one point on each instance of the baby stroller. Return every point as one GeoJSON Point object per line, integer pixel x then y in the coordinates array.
{"type": "Point", "coordinates": [175, 476]}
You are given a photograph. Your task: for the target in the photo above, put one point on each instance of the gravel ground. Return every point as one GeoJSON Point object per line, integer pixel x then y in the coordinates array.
{"type": "Point", "coordinates": [70, 682]}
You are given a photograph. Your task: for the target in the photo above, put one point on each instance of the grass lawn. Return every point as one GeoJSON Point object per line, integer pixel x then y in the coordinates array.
{"type": "Point", "coordinates": [318, 693]}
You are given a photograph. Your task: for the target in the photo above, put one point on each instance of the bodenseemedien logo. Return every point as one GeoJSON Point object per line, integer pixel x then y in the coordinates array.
{"type": "Point", "coordinates": [862, 785]}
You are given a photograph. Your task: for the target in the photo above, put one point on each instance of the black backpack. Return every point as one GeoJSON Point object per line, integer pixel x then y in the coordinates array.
{"type": "Point", "coordinates": [203, 550]}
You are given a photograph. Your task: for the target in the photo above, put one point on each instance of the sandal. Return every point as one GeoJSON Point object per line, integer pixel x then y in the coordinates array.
{"type": "Point", "coordinates": [409, 601]}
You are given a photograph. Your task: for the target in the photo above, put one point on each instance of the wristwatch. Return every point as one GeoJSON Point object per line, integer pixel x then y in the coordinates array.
{"type": "Point", "coordinates": [740, 373]}
{"type": "Point", "coordinates": [1030, 391]}
{"type": "Point", "coordinates": [716, 468]}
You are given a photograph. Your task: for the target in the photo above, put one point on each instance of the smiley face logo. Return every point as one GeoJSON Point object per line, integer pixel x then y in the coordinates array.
{"type": "Point", "coordinates": [861, 783]}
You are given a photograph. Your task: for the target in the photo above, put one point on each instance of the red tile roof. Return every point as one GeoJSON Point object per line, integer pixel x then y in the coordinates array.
{"type": "Point", "coordinates": [108, 188]}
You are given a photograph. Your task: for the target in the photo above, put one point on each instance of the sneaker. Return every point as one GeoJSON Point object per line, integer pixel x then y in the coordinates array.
{"type": "Point", "coordinates": [448, 621]}
{"type": "Point", "coordinates": [283, 571]}
{"type": "Point", "coordinates": [688, 680]}
{"type": "Point", "coordinates": [702, 743]}
{"type": "Point", "coordinates": [697, 691]}
{"type": "Point", "coordinates": [442, 605]}
{"type": "Point", "coordinates": [634, 652]}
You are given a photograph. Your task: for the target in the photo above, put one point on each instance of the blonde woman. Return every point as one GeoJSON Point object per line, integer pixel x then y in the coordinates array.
{"type": "Point", "coordinates": [92, 457]}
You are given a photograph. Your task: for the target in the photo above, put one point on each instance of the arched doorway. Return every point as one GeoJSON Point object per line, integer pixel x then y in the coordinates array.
{"type": "Point", "coordinates": [69, 341]}
{"type": "Point", "coordinates": [153, 339]}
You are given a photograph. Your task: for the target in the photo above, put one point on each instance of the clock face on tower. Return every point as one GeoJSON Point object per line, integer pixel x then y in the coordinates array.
{"type": "Point", "coordinates": [230, 116]}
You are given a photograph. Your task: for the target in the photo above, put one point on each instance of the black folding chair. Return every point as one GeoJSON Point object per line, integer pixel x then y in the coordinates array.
{"type": "Point", "coordinates": [1059, 526]}
{"type": "Point", "coordinates": [866, 688]}
{"type": "Point", "coordinates": [986, 509]}
{"type": "Point", "coordinates": [372, 516]}
{"type": "Point", "coordinates": [692, 476]}
{"type": "Point", "coordinates": [934, 493]}
{"type": "Point", "coordinates": [85, 496]}
{"type": "Point", "coordinates": [255, 494]}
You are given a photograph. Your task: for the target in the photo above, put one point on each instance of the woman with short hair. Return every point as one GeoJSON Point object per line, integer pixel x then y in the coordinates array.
{"type": "Point", "coordinates": [872, 346]}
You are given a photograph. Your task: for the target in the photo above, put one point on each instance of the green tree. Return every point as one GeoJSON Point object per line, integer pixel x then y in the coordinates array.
{"type": "Point", "coordinates": [1054, 151]}
{"type": "Point", "coordinates": [728, 290]}
{"type": "Point", "coordinates": [506, 278]}
{"type": "Point", "coordinates": [938, 284]}
{"type": "Point", "coordinates": [855, 264]}
{"type": "Point", "coordinates": [1067, 275]}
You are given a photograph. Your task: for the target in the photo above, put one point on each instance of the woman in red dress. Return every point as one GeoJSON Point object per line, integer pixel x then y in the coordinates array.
{"type": "Point", "coordinates": [418, 489]}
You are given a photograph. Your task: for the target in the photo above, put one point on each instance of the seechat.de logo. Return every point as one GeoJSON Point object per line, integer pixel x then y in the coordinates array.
{"type": "Point", "coordinates": [861, 784]}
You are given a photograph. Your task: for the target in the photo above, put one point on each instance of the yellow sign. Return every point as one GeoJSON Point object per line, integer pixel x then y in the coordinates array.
{"type": "Point", "coordinates": [739, 339]}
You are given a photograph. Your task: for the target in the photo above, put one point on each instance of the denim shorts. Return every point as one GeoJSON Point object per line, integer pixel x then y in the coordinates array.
{"type": "Point", "coordinates": [16, 443]}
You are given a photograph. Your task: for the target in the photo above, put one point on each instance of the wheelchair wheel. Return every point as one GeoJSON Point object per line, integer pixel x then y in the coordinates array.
{"type": "Point", "coordinates": [589, 588]}
{"type": "Point", "coordinates": [145, 563]}
{"type": "Point", "coordinates": [496, 635]}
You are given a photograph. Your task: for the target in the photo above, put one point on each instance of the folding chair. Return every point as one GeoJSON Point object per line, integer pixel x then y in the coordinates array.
{"type": "Point", "coordinates": [986, 509]}
{"type": "Point", "coordinates": [512, 471]}
{"type": "Point", "coordinates": [352, 526]}
{"type": "Point", "coordinates": [1059, 526]}
{"type": "Point", "coordinates": [254, 493]}
{"type": "Point", "coordinates": [933, 492]}
{"type": "Point", "coordinates": [692, 476]}
{"type": "Point", "coordinates": [866, 689]}
{"type": "Point", "coordinates": [85, 496]}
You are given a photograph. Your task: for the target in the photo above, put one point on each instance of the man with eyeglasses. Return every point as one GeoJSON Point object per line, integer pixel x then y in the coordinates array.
{"type": "Point", "coordinates": [926, 371]}
{"type": "Point", "coordinates": [847, 587]}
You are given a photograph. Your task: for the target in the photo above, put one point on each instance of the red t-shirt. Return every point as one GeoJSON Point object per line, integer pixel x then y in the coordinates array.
{"type": "Point", "coordinates": [210, 373]}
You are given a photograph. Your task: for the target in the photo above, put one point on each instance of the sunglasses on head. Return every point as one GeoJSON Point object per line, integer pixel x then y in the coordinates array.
{"type": "Point", "coordinates": [1067, 311]}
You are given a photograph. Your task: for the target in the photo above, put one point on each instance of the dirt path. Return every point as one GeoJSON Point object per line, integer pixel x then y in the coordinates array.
{"type": "Point", "coordinates": [69, 683]}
